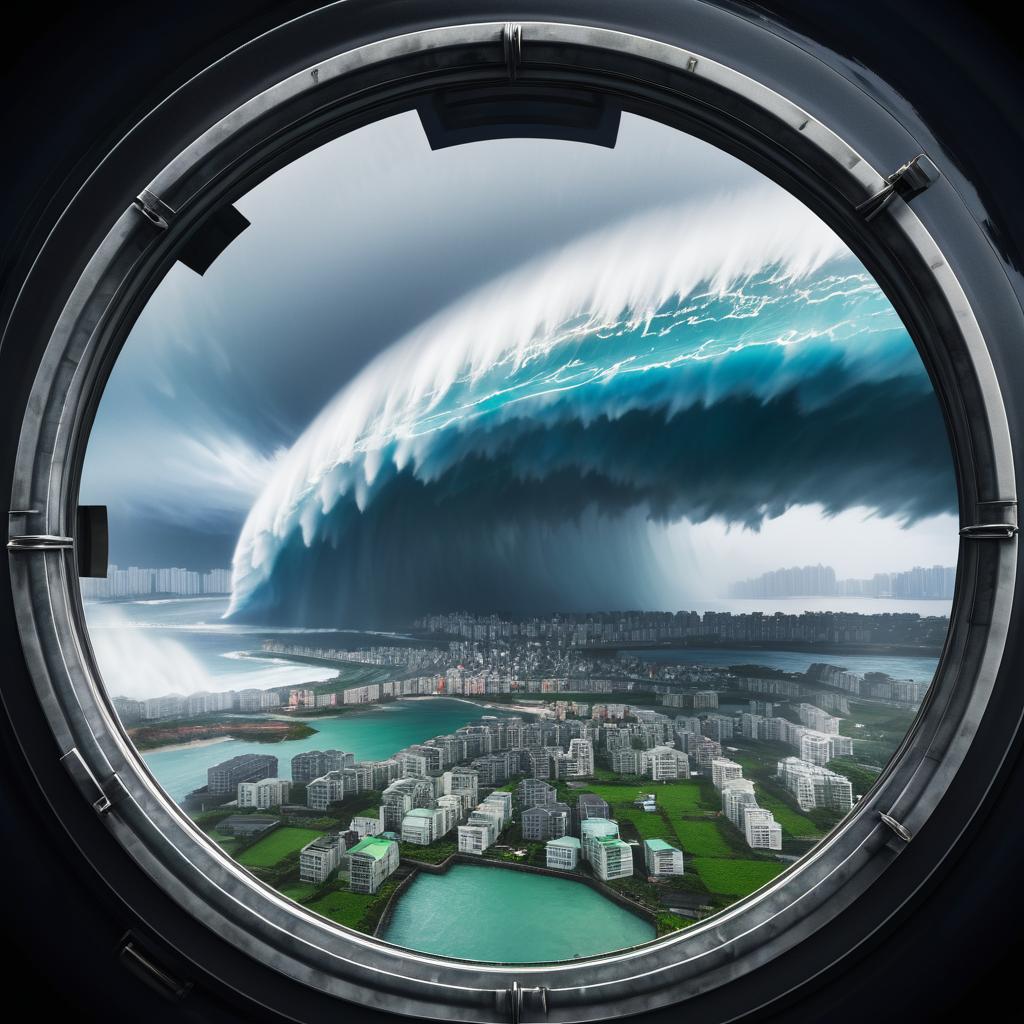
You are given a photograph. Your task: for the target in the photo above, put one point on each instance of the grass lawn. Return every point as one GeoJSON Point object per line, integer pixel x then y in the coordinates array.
{"type": "Point", "coordinates": [793, 822]}
{"type": "Point", "coordinates": [649, 826]}
{"type": "Point", "coordinates": [701, 839]}
{"type": "Point", "coordinates": [735, 877]}
{"type": "Point", "coordinates": [674, 797]}
{"type": "Point", "coordinates": [299, 891]}
{"type": "Point", "coordinates": [345, 907]}
{"type": "Point", "coordinates": [275, 847]}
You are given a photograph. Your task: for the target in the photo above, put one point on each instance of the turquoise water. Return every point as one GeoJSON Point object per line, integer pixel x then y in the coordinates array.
{"type": "Point", "coordinates": [482, 913]}
{"type": "Point", "coordinates": [920, 668]}
{"type": "Point", "coordinates": [370, 735]}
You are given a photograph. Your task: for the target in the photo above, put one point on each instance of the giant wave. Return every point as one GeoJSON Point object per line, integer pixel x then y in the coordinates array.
{"type": "Point", "coordinates": [516, 451]}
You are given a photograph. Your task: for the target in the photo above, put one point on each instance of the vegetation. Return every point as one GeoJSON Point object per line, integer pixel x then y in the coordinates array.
{"type": "Point", "coordinates": [861, 778]}
{"type": "Point", "coordinates": [736, 877]}
{"type": "Point", "coordinates": [273, 848]}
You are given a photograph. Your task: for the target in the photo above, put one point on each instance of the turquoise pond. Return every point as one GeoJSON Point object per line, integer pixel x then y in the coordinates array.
{"type": "Point", "coordinates": [485, 913]}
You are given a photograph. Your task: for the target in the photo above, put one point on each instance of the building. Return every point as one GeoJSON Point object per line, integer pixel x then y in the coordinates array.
{"type": "Point", "coordinates": [563, 853]}
{"type": "Point", "coordinates": [463, 782]}
{"type": "Point", "coordinates": [761, 829]}
{"type": "Point", "coordinates": [311, 764]}
{"type": "Point", "coordinates": [610, 858]}
{"type": "Point", "coordinates": [329, 789]}
{"type": "Point", "coordinates": [815, 786]}
{"type": "Point", "coordinates": [737, 794]}
{"type": "Point", "coordinates": [626, 761]}
{"type": "Point", "coordinates": [547, 821]}
{"type": "Point", "coordinates": [371, 860]}
{"type": "Point", "coordinates": [474, 838]}
{"type": "Point", "coordinates": [815, 748]}
{"type": "Point", "coordinates": [589, 805]}
{"type": "Point", "coordinates": [723, 770]}
{"type": "Point", "coordinates": [223, 778]}
{"type": "Point", "coordinates": [320, 857]}
{"type": "Point", "coordinates": [663, 763]}
{"type": "Point", "coordinates": [245, 826]}
{"type": "Point", "coordinates": [534, 793]}
{"type": "Point", "coordinates": [662, 859]}
{"type": "Point", "coordinates": [594, 828]}
{"type": "Point", "coordinates": [423, 825]}
{"type": "Point", "coordinates": [364, 826]}
{"type": "Point", "coordinates": [581, 753]}
{"type": "Point", "coordinates": [263, 794]}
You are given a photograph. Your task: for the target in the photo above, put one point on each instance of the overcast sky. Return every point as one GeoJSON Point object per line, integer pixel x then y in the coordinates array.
{"type": "Point", "coordinates": [351, 249]}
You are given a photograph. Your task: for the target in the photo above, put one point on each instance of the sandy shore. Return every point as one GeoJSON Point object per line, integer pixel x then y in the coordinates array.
{"type": "Point", "coordinates": [185, 746]}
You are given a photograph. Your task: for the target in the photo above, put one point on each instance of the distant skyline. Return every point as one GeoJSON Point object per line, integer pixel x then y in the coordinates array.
{"type": "Point", "coordinates": [644, 373]}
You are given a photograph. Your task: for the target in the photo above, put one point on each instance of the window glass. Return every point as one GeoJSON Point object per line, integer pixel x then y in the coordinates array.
{"type": "Point", "coordinates": [520, 550]}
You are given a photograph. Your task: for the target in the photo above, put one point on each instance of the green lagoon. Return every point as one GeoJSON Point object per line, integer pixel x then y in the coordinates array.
{"type": "Point", "coordinates": [496, 914]}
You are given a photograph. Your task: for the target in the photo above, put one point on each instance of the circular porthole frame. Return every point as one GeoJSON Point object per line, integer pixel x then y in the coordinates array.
{"type": "Point", "coordinates": [698, 93]}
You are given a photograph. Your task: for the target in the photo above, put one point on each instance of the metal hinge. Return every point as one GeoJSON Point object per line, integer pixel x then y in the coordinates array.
{"type": "Point", "coordinates": [899, 828]}
{"type": "Point", "coordinates": [39, 542]}
{"type": "Point", "coordinates": [154, 209]}
{"type": "Point", "coordinates": [516, 996]}
{"type": "Point", "coordinates": [142, 964]}
{"type": "Point", "coordinates": [996, 520]}
{"type": "Point", "coordinates": [512, 43]}
{"type": "Point", "coordinates": [907, 181]}
{"type": "Point", "coordinates": [102, 796]}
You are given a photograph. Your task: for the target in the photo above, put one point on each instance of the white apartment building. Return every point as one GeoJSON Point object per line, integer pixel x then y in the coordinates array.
{"type": "Point", "coordinates": [662, 859]}
{"type": "Point", "coordinates": [723, 770]}
{"type": "Point", "coordinates": [592, 829]}
{"type": "Point", "coordinates": [563, 853]}
{"type": "Point", "coordinates": [663, 763]}
{"type": "Point", "coordinates": [263, 794]}
{"type": "Point", "coordinates": [762, 831]}
{"type": "Point", "coordinates": [364, 827]}
{"type": "Point", "coordinates": [611, 858]}
{"type": "Point", "coordinates": [320, 857]}
{"type": "Point", "coordinates": [582, 753]}
{"type": "Point", "coordinates": [371, 860]}
{"type": "Point", "coordinates": [423, 825]}
{"type": "Point", "coordinates": [816, 748]}
{"type": "Point", "coordinates": [474, 838]}
{"type": "Point", "coordinates": [737, 794]}
{"type": "Point", "coordinates": [815, 786]}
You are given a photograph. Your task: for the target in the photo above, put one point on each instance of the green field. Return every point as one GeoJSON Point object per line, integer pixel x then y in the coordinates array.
{"type": "Point", "coordinates": [648, 826]}
{"type": "Point", "coordinates": [701, 839]}
{"type": "Point", "coordinates": [675, 797]}
{"type": "Point", "coordinates": [299, 891]}
{"type": "Point", "coordinates": [735, 877]}
{"type": "Point", "coordinates": [275, 847]}
{"type": "Point", "coordinates": [345, 907]}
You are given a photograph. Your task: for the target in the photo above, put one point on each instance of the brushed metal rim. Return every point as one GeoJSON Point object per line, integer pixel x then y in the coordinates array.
{"type": "Point", "coordinates": [252, 916]}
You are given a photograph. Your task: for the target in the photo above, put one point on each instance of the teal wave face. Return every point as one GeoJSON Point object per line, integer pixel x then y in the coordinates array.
{"type": "Point", "coordinates": [482, 461]}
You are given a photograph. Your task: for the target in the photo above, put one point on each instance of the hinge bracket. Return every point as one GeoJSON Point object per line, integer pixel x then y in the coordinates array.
{"type": "Point", "coordinates": [907, 181]}
{"type": "Point", "coordinates": [516, 997]}
{"type": "Point", "coordinates": [141, 963]}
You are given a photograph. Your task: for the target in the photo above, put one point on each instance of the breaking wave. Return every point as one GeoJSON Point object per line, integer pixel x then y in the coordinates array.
{"type": "Point", "coordinates": [521, 449]}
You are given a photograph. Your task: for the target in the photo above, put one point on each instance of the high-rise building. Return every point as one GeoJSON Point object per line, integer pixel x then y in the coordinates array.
{"type": "Point", "coordinates": [224, 777]}
{"type": "Point", "coordinates": [662, 859]}
{"type": "Point", "coordinates": [371, 860]}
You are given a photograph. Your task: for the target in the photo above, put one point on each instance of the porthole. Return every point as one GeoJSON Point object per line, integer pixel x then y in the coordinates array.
{"type": "Point", "coordinates": [576, 86]}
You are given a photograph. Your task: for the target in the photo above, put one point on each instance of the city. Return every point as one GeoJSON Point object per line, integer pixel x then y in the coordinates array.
{"type": "Point", "coordinates": [670, 789]}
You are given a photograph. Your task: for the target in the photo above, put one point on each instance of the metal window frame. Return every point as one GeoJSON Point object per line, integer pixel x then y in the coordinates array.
{"type": "Point", "coordinates": [703, 95]}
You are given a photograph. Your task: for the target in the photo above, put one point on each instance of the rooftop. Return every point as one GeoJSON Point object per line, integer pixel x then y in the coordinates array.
{"type": "Point", "coordinates": [658, 844]}
{"type": "Point", "coordinates": [567, 841]}
{"type": "Point", "coordinates": [372, 846]}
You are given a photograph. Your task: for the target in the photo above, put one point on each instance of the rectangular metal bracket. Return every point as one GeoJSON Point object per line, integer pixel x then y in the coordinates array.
{"type": "Point", "coordinates": [994, 520]}
{"type": "Point", "coordinates": [142, 963]}
{"type": "Point", "coordinates": [39, 542]}
{"type": "Point", "coordinates": [92, 540]}
{"type": "Point", "coordinates": [102, 796]}
{"type": "Point", "coordinates": [907, 181]}
{"type": "Point", "coordinates": [516, 998]}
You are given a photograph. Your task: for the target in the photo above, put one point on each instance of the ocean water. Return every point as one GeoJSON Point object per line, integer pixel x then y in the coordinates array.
{"type": "Point", "coordinates": [917, 667]}
{"type": "Point", "coordinates": [370, 735]}
{"type": "Point", "coordinates": [482, 913]}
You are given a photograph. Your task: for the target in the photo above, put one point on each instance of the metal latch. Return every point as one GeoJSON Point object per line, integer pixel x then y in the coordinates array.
{"type": "Point", "coordinates": [898, 827]}
{"type": "Point", "coordinates": [516, 997]}
{"type": "Point", "coordinates": [512, 43]}
{"type": "Point", "coordinates": [154, 209]}
{"type": "Point", "coordinates": [39, 542]}
{"type": "Point", "coordinates": [102, 796]}
{"type": "Point", "coordinates": [907, 181]}
{"type": "Point", "coordinates": [994, 520]}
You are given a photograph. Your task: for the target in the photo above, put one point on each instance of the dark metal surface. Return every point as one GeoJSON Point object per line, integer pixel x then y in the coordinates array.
{"type": "Point", "coordinates": [984, 476]}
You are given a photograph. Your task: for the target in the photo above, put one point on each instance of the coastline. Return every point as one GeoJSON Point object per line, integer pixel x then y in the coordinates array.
{"type": "Point", "coordinates": [170, 747]}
